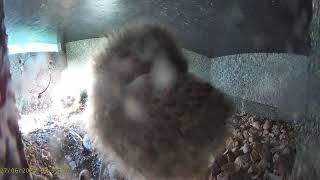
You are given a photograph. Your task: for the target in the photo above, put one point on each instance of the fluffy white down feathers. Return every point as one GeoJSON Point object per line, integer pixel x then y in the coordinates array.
{"type": "Point", "coordinates": [157, 120]}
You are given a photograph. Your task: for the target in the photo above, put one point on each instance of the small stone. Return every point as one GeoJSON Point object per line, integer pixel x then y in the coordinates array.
{"type": "Point", "coordinates": [237, 153]}
{"type": "Point", "coordinates": [245, 134]}
{"type": "Point", "coordinates": [73, 165]}
{"type": "Point", "coordinates": [251, 139]}
{"type": "Point", "coordinates": [252, 119]}
{"type": "Point", "coordinates": [215, 170]}
{"type": "Point", "coordinates": [220, 160]}
{"type": "Point", "coordinates": [235, 149]}
{"type": "Point", "coordinates": [237, 133]}
{"type": "Point", "coordinates": [254, 156]}
{"type": "Point", "coordinates": [276, 157]}
{"type": "Point", "coordinates": [253, 170]}
{"type": "Point", "coordinates": [243, 161]}
{"type": "Point", "coordinates": [272, 176]}
{"type": "Point", "coordinates": [236, 143]}
{"type": "Point", "coordinates": [265, 133]}
{"type": "Point", "coordinates": [250, 170]}
{"type": "Point", "coordinates": [230, 168]}
{"type": "Point", "coordinates": [267, 125]}
{"type": "Point", "coordinates": [222, 176]}
{"type": "Point", "coordinates": [84, 175]}
{"type": "Point", "coordinates": [211, 159]}
{"type": "Point", "coordinates": [282, 136]}
{"type": "Point", "coordinates": [229, 143]}
{"type": "Point", "coordinates": [286, 150]}
{"type": "Point", "coordinates": [87, 142]}
{"type": "Point", "coordinates": [256, 124]}
{"type": "Point", "coordinates": [45, 154]}
{"type": "Point", "coordinates": [39, 177]}
{"type": "Point", "coordinates": [245, 148]}
{"type": "Point", "coordinates": [275, 130]}
{"type": "Point", "coordinates": [284, 131]}
{"type": "Point", "coordinates": [229, 155]}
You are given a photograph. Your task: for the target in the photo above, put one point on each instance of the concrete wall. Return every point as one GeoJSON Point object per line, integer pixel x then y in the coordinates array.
{"type": "Point", "coordinates": [274, 80]}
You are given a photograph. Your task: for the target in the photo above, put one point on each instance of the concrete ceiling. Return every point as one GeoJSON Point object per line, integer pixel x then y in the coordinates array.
{"type": "Point", "coordinates": [210, 27]}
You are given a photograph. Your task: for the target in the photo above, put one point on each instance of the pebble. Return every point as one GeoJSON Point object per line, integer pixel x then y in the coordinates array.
{"type": "Point", "coordinates": [220, 160]}
{"type": "Point", "coordinates": [230, 168]}
{"type": "Point", "coordinates": [252, 119]}
{"type": "Point", "coordinates": [87, 142]}
{"type": "Point", "coordinates": [215, 170]}
{"type": "Point", "coordinates": [235, 149]}
{"type": "Point", "coordinates": [267, 125]}
{"type": "Point", "coordinates": [38, 177]}
{"type": "Point", "coordinates": [254, 156]}
{"type": "Point", "coordinates": [256, 148]}
{"type": "Point", "coordinates": [243, 161]}
{"type": "Point", "coordinates": [229, 143]}
{"type": "Point", "coordinates": [272, 176]}
{"type": "Point", "coordinates": [253, 170]}
{"type": "Point", "coordinates": [275, 130]}
{"type": "Point", "coordinates": [73, 165]}
{"type": "Point", "coordinates": [229, 156]}
{"type": "Point", "coordinates": [84, 175]}
{"type": "Point", "coordinates": [237, 133]}
{"type": "Point", "coordinates": [256, 124]}
{"type": "Point", "coordinates": [245, 134]}
{"type": "Point", "coordinates": [282, 136]}
{"type": "Point", "coordinates": [286, 150]}
{"type": "Point", "coordinates": [245, 148]}
{"type": "Point", "coordinates": [222, 176]}
{"type": "Point", "coordinates": [276, 157]}
{"type": "Point", "coordinates": [283, 131]}
{"type": "Point", "coordinates": [252, 139]}
{"type": "Point", "coordinates": [45, 154]}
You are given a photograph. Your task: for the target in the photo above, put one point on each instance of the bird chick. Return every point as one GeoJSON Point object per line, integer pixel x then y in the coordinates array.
{"type": "Point", "coordinates": [156, 119]}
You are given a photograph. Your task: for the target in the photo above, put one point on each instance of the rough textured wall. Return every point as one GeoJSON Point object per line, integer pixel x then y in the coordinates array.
{"type": "Point", "coordinates": [78, 52]}
{"type": "Point", "coordinates": [313, 105]}
{"type": "Point", "coordinates": [276, 80]}
{"type": "Point", "coordinates": [315, 29]}
{"type": "Point", "coordinates": [314, 83]}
